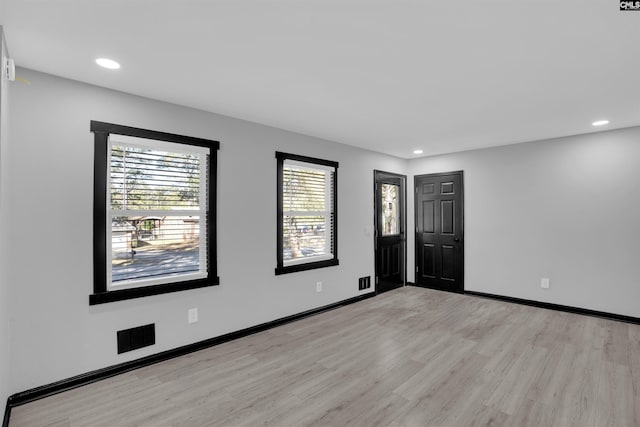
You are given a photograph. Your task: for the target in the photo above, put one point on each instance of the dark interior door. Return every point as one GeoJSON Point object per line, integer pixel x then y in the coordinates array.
{"type": "Point", "coordinates": [439, 232]}
{"type": "Point", "coordinates": [390, 231]}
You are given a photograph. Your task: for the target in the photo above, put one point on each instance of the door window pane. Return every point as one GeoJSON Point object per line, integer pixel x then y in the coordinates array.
{"type": "Point", "coordinates": [390, 209]}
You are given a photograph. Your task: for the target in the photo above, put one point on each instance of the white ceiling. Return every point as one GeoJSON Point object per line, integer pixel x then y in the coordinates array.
{"type": "Point", "coordinates": [391, 76]}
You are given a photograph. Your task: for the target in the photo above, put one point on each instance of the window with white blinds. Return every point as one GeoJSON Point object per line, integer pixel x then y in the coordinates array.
{"type": "Point", "coordinates": [158, 205]}
{"type": "Point", "coordinates": [154, 213]}
{"type": "Point", "coordinates": [307, 213]}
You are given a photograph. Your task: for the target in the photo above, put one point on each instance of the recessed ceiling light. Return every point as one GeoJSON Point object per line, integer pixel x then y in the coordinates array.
{"type": "Point", "coordinates": [600, 123]}
{"type": "Point", "coordinates": [107, 63]}
{"type": "Point", "coordinates": [417, 151]}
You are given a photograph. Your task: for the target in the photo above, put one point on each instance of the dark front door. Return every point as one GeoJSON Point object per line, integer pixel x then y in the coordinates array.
{"type": "Point", "coordinates": [439, 233]}
{"type": "Point", "coordinates": [390, 230]}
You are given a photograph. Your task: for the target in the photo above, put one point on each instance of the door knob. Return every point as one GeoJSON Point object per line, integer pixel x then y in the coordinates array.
{"type": "Point", "coordinates": [456, 240]}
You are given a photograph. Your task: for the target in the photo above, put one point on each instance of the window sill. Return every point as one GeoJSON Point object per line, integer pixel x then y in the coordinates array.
{"type": "Point", "coordinates": [307, 266]}
{"type": "Point", "coordinates": [145, 291]}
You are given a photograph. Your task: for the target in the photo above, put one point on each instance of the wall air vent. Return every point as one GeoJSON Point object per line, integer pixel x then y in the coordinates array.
{"type": "Point", "coordinates": [135, 338]}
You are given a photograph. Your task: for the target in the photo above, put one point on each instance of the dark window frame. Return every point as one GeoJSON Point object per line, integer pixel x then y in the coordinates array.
{"type": "Point", "coordinates": [101, 294]}
{"type": "Point", "coordinates": [281, 268]}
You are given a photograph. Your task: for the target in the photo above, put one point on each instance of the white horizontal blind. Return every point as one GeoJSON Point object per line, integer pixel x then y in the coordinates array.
{"type": "Point", "coordinates": [157, 218]}
{"type": "Point", "coordinates": [308, 217]}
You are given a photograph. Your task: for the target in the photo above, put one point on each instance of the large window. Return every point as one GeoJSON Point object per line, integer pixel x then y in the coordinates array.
{"type": "Point", "coordinates": [307, 213]}
{"type": "Point", "coordinates": [154, 213]}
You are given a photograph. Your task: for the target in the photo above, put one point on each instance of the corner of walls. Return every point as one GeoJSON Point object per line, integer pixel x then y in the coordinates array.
{"type": "Point", "coordinates": [411, 226]}
{"type": "Point", "coordinates": [562, 209]}
{"type": "Point", "coordinates": [4, 286]}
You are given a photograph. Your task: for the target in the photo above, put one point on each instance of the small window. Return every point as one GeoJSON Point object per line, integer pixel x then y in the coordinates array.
{"type": "Point", "coordinates": [307, 213]}
{"type": "Point", "coordinates": [154, 213]}
{"type": "Point", "coordinates": [390, 209]}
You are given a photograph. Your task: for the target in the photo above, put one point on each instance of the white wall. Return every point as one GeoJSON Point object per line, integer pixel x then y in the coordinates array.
{"type": "Point", "coordinates": [567, 209]}
{"type": "Point", "coordinates": [55, 333]}
{"type": "Point", "coordinates": [4, 285]}
{"type": "Point", "coordinates": [564, 209]}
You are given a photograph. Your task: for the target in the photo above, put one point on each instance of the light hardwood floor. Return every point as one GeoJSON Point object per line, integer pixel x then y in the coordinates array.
{"type": "Point", "coordinates": [410, 357]}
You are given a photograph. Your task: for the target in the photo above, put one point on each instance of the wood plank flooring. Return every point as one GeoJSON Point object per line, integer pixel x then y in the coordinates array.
{"type": "Point", "coordinates": [409, 357]}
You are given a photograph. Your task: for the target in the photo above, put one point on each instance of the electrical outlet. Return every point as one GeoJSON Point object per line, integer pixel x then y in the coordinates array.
{"type": "Point", "coordinates": [318, 286]}
{"type": "Point", "coordinates": [544, 283]}
{"type": "Point", "coordinates": [192, 315]}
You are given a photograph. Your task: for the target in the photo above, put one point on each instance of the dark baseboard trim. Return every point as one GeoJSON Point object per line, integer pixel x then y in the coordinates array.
{"type": "Point", "coordinates": [110, 371]}
{"type": "Point", "coordinates": [409, 284]}
{"type": "Point", "coordinates": [558, 307]}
